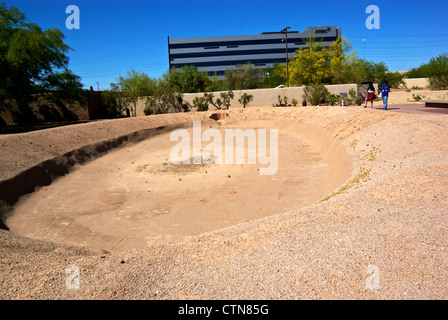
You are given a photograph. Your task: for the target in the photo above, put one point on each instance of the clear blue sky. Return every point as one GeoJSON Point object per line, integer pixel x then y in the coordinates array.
{"type": "Point", "coordinates": [117, 35]}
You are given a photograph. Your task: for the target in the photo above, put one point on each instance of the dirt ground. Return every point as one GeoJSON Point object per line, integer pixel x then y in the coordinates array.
{"type": "Point", "coordinates": [357, 190]}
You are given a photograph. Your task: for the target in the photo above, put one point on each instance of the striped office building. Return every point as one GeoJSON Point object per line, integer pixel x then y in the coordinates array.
{"type": "Point", "coordinates": [217, 54]}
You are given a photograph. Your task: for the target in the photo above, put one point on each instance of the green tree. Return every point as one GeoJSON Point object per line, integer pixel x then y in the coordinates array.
{"type": "Point", "coordinates": [135, 85]}
{"type": "Point", "coordinates": [245, 76]}
{"type": "Point", "coordinates": [165, 99]}
{"type": "Point", "coordinates": [189, 79]}
{"type": "Point", "coordinates": [309, 66]}
{"type": "Point", "coordinates": [274, 76]}
{"type": "Point", "coordinates": [436, 68]}
{"type": "Point", "coordinates": [29, 57]}
{"type": "Point", "coordinates": [438, 72]}
{"type": "Point", "coordinates": [315, 64]}
{"type": "Point", "coordinates": [64, 84]}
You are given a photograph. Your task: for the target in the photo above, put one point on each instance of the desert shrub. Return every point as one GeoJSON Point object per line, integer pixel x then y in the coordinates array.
{"type": "Point", "coordinates": [226, 98]}
{"type": "Point", "coordinates": [281, 101]}
{"type": "Point", "coordinates": [222, 102]}
{"type": "Point", "coordinates": [437, 84]}
{"type": "Point", "coordinates": [294, 102]}
{"type": "Point", "coordinates": [113, 103]}
{"type": "Point", "coordinates": [201, 103]}
{"type": "Point", "coordinates": [245, 99]}
{"type": "Point", "coordinates": [164, 103]}
{"type": "Point", "coordinates": [332, 99]}
{"type": "Point", "coordinates": [316, 94]}
{"type": "Point", "coordinates": [355, 99]}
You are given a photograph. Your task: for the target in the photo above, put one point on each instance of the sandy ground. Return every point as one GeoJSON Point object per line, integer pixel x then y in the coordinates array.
{"type": "Point", "coordinates": [135, 196]}
{"type": "Point", "coordinates": [370, 222]}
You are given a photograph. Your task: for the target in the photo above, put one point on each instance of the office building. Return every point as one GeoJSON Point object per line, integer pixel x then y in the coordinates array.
{"type": "Point", "coordinates": [217, 54]}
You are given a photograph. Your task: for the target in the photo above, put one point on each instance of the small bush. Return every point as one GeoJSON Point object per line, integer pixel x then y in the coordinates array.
{"type": "Point", "coordinates": [220, 103]}
{"type": "Point", "coordinates": [333, 99]}
{"type": "Point", "coordinates": [226, 98]}
{"type": "Point", "coordinates": [294, 102]}
{"type": "Point", "coordinates": [201, 103]}
{"type": "Point", "coordinates": [316, 94]}
{"type": "Point", "coordinates": [245, 99]}
{"type": "Point", "coordinates": [283, 101]}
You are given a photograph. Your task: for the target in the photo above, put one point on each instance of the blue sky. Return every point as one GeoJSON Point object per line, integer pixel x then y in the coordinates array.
{"type": "Point", "coordinates": [117, 35]}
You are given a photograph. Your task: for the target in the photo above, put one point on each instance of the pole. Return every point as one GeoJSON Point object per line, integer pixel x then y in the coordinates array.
{"type": "Point", "coordinates": [286, 41]}
{"type": "Point", "coordinates": [364, 41]}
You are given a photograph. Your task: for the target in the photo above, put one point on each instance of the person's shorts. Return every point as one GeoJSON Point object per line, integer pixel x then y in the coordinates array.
{"type": "Point", "coordinates": [370, 96]}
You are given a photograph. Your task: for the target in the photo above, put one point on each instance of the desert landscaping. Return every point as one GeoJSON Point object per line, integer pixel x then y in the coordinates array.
{"type": "Point", "coordinates": [359, 195]}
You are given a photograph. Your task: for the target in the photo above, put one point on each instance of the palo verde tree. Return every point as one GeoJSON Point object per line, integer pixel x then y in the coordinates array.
{"type": "Point", "coordinates": [31, 59]}
{"type": "Point", "coordinates": [315, 64]}
{"type": "Point", "coordinates": [133, 86]}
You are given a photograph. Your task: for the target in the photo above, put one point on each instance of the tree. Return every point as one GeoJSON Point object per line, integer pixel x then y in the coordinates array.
{"type": "Point", "coordinates": [275, 76]}
{"type": "Point", "coordinates": [309, 66]}
{"type": "Point", "coordinates": [135, 85]}
{"type": "Point", "coordinates": [438, 74]}
{"type": "Point", "coordinates": [29, 57]}
{"type": "Point", "coordinates": [436, 70]}
{"type": "Point", "coordinates": [315, 64]}
{"type": "Point", "coordinates": [245, 76]}
{"type": "Point", "coordinates": [165, 99]}
{"type": "Point", "coordinates": [65, 84]}
{"type": "Point", "coordinates": [189, 79]}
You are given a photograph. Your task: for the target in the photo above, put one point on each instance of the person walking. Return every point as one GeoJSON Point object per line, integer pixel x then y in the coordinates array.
{"type": "Point", "coordinates": [385, 89]}
{"type": "Point", "coordinates": [370, 95]}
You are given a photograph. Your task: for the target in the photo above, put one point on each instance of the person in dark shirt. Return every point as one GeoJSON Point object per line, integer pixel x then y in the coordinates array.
{"type": "Point", "coordinates": [385, 89]}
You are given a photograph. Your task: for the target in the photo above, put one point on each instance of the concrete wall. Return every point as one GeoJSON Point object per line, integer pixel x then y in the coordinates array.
{"type": "Point", "coordinates": [262, 97]}
{"type": "Point", "coordinates": [417, 82]}
{"type": "Point", "coordinates": [266, 97]}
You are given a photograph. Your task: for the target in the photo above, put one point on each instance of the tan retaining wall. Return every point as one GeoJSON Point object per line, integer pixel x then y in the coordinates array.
{"type": "Point", "coordinates": [262, 97]}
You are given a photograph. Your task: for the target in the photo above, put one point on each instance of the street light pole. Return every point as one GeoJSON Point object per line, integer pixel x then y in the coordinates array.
{"type": "Point", "coordinates": [286, 41]}
{"type": "Point", "coordinates": [364, 40]}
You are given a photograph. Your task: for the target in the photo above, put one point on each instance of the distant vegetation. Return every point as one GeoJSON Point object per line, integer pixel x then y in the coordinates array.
{"type": "Point", "coordinates": [34, 62]}
{"type": "Point", "coordinates": [436, 70]}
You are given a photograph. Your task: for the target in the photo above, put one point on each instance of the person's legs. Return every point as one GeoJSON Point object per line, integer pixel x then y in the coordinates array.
{"type": "Point", "coordinates": [385, 101]}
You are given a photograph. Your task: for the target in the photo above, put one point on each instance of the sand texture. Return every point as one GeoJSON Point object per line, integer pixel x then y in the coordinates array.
{"type": "Point", "coordinates": [357, 210]}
